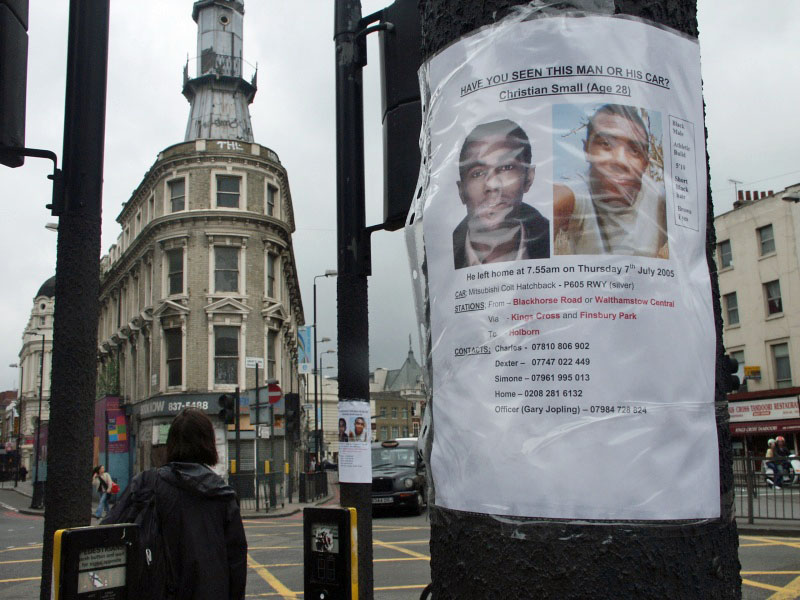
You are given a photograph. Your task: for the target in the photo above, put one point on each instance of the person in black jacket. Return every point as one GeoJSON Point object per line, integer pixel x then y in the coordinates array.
{"type": "Point", "coordinates": [495, 171]}
{"type": "Point", "coordinates": [199, 514]}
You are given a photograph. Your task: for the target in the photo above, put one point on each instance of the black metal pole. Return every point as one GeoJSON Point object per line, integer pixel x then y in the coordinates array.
{"type": "Point", "coordinates": [316, 375]}
{"type": "Point", "coordinates": [353, 255]}
{"type": "Point", "coordinates": [238, 434]}
{"type": "Point", "coordinates": [74, 368]}
{"type": "Point", "coordinates": [258, 410]}
{"type": "Point", "coordinates": [478, 556]}
{"type": "Point", "coordinates": [36, 498]}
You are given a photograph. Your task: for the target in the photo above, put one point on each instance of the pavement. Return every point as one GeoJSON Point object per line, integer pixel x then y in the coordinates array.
{"type": "Point", "coordinates": [24, 492]}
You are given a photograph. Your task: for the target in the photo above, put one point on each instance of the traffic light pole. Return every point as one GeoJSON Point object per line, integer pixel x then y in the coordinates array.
{"type": "Point", "coordinates": [353, 255]}
{"type": "Point", "coordinates": [74, 370]}
{"type": "Point", "coordinates": [478, 556]}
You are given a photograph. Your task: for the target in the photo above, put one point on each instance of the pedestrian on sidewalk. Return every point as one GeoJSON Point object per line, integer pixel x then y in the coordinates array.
{"type": "Point", "coordinates": [197, 515]}
{"type": "Point", "coordinates": [103, 482]}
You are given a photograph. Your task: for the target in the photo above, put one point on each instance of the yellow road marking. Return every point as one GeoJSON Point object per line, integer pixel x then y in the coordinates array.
{"type": "Point", "coordinates": [400, 549]}
{"type": "Point", "coordinates": [758, 584]}
{"type": "Point", "coordinates": [769, 573]}
{"type": "Point", "coordinates": [14, 562]}
{"type": "Point", "coordinates": [776, 542]}
{"type": "Point", "coordinates": [399, 559]}
{"type": "Point", "coordinates": [273, 581]}
{"type": "Point", "coordinates": [18, 579]}
{"type": "Point", "coordinates": [36, 547]}
{"type": "Point", "coordinates": [791, 590]}
{"type": "Point", "coordinates": [275, 548]}
{"type": "Point", "coordinates": [400, 587]}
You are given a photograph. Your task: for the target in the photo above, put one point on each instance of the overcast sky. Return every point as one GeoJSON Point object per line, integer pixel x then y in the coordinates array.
{"type": "Point", "coordinates": [750, 87]}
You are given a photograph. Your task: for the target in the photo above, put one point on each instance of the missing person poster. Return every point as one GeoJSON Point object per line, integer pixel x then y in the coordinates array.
{"type": "Point", "coordinates": [355, 442]}
{"type": "Point", "coordinates": [571, 318]}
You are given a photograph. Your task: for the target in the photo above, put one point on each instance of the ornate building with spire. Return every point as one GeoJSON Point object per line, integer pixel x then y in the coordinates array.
{"type": "Point", "coordinates": [203, 273]}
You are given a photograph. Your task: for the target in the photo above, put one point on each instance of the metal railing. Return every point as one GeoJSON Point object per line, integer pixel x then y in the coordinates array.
{"type": "Point", "coordinates": [755, 494]}
{"type": "Point", "coordinates": [313, 485]}
{"type": "Point", "coordinates": [262, 492]}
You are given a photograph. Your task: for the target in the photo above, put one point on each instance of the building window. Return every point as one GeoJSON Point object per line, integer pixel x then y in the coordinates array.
{"type": "Point", "coordinates": [725, 254]}
{"type": "Point", "coordinates": [405, 413]}
{"type": "Point", "coordinates": [731, 308]}
{"type": "Point", "coordinates": [272, 259]}
{"type": "Point", "coordinates": [226, 354]}
{"type": "Point", "coordinates": [272, 362]}
{"type": "Point", "coordinates": [416, 429]}
{"type": "Point", "coordinates": [405, 431]}
{"type": "Point", "coordinates": [772, 291]}
{"type": "Point", "coordinates": [783, 370]}
{"type": "Point", "coordinates": [272, 193]}
{"type": "Point", "coordinates": [394, 412]}
{"type": "Point", "coordinates": [228, 191]}
{"type": "Point", "coordinates": [177, 194]}
{"type": "Point", "coordinates": [383, 412]}
{"type": "Point", "coordinates": [766, 239]}
{"type": "Point", "coordinates": [395, 432]}
{"type": "Point", "coordinates": [173, 342]}
{"type": "Point", "coordinates": [175, 271]}
{"type": "Point", "coordinates": [384, 433]}
{"type": "Point", "coordinates": [226, 268]}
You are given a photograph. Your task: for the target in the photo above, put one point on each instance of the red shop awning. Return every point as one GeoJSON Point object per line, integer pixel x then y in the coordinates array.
{"type": "Point", "coordinates": [764, 427]}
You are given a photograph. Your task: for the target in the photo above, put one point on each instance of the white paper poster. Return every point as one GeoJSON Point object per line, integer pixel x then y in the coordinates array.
{"type": "Point", "coordinates": [355, 454]}
{"type": "Point", "coordinates": [564, 219]}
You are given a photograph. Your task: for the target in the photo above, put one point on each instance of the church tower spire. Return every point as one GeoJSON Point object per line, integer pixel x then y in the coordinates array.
{"type": "Point", "coordinates": [219, 95]}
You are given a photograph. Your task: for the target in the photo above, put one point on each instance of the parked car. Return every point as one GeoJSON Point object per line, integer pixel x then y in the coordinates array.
{"type": "Point", "coordinates": [398, 475]}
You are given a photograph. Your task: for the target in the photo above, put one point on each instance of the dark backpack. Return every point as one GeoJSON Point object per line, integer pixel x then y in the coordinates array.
{"type": "Point", "coordinates": [157, 580]}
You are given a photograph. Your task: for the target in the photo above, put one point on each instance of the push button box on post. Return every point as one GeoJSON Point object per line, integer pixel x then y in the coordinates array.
{"type": "Point", "coordinates": [330, 551]}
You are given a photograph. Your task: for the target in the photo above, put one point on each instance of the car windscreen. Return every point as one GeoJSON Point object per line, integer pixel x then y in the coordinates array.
{"type": "Point", "coordinates": [392, 457]}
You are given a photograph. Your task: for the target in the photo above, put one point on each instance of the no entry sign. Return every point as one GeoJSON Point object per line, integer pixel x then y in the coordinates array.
{"type": "Point", "coordinates": [274, 393]}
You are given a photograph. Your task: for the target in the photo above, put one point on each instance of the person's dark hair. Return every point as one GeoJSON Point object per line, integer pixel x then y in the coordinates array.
{"type": "Point", "coordinates": [342, 422]}
{"type": "Point", "coordinates": [626, 112]}
{"type": "Point", "coordinates": [513, 133]}
{"type": "Point", "coordinates": [191, 439]}
{"type": "Point", "coordinates": [96, 470]}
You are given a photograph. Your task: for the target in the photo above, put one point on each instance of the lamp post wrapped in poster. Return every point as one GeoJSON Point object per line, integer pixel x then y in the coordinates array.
{"type": "Point", "coordinates": [560, 239]}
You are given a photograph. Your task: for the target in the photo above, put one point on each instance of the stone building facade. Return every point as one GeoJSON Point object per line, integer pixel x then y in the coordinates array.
{"type": "Point", "coordinates": [35, 361]}
{"type": "Point", "coordinates": [758, 262]}
{"type": "Point", "coordinates": [203, 274]}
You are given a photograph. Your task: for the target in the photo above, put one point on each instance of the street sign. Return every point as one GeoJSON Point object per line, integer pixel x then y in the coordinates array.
{"type": "Point", "coordinates": [263, 432]}
{"type": "Point", "coordinates": [253, 362]}
{"type": "Point", "coordinates": [274, 393]}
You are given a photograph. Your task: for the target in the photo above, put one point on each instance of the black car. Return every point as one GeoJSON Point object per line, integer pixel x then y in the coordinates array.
{"type": "Point", "coordinates": [398, 475]}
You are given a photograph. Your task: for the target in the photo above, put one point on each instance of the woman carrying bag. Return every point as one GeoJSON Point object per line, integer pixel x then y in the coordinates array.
{"type": "Point", "coordinates": [103, 482]}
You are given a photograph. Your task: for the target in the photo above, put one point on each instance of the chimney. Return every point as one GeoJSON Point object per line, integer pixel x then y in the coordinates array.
{"type": "Point", "coordinates": [747, 196]}
{"type": "Point", "coordinates": [741, 195]}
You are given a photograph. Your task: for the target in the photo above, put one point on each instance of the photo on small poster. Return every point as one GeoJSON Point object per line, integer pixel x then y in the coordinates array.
{"type": "Point", "coordinates": [608, 190]}
{"type": "Point", "coordinates": [495, 173]}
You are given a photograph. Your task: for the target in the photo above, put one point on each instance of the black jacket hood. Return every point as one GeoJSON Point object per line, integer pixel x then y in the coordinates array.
{"type": "Point", "coordinates": [197, 479]}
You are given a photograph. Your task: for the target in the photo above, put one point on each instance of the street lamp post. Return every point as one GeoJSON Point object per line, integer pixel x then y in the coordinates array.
{"type": "Point", "coordinates": [322, 399]}
{"type": "Point", "coordinates": [36, 499]}
{"type": "Point", "coordinates": [328, 273]}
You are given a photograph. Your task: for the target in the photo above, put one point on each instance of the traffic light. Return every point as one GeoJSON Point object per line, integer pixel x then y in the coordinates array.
{"type": "Point", "coordinates": [13, 77]}
{"type": "Point", "coordinates": [400, 58]}
{"type": "Point", "coordinates": [227, 412]}
{"type": "Point", "coordinates": [731, 367]}
{"type": "Point", "coordinates": [292, 412]}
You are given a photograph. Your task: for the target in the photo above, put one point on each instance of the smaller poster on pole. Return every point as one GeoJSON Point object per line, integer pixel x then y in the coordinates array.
{"type": "Point", "coordinates": [304, 349]}
{"type": "Point", "coordinates": [355, 458]}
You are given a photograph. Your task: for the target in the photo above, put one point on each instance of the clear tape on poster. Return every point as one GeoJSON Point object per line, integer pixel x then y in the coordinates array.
{"type": "Point", "coordinates": [534, 109]}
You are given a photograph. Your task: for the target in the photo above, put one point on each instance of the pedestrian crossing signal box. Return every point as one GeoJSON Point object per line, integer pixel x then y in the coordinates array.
{"type": "Point", "coordinates": [94, 563]}
{"type": "Point", "coordinates": [330, 551]}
